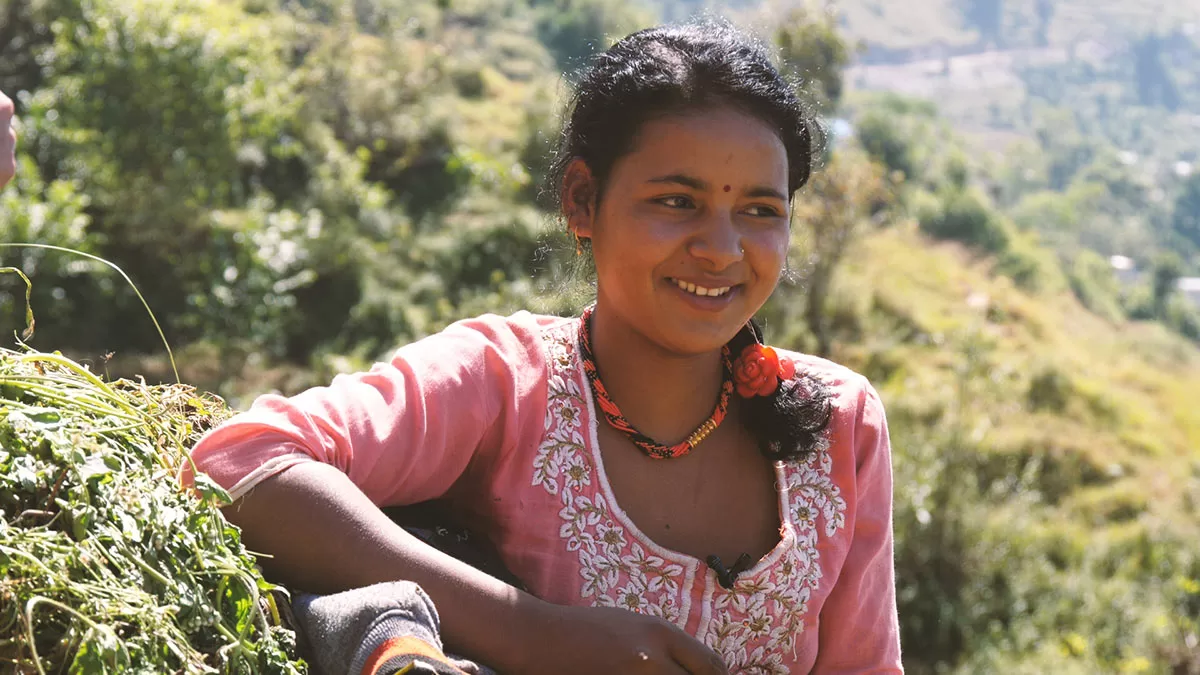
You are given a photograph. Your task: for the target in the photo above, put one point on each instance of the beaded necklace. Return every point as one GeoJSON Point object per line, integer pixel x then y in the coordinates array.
{"type": "Point", "coordinates": [613, 414]}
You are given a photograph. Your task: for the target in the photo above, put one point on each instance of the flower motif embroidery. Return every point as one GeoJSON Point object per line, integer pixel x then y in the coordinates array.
{"type": "Point", "coordinates": [615, 570]}
{"type": "Point", "coordinates": [762, 616]}
{"type": "Point", "coordinates": [757, 623]}
{"type": "Point", "coordinates": [576, 473]}
{"type": "Point", "coordinates": [754, 625]}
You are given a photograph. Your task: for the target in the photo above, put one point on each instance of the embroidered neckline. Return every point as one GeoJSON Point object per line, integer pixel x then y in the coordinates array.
{"type": "Point", "coordinates": [616, 420]}
{"type": "Point", "coordinates": [754, 625]}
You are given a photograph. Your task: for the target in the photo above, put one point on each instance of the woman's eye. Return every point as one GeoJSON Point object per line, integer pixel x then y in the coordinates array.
{"type": "Point", "coordinates": [763, 211]}
{"type": "Point", "coordinates": [675, 202]}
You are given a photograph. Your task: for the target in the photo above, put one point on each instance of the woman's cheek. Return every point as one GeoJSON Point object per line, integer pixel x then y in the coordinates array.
{"type": "Point", "coordinates": [772, 246]}
{"type": "Point", "coordinates": [666, 230]}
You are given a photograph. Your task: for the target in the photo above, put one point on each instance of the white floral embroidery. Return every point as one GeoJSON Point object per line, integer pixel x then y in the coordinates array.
{"type": "Point", "coordinates": [812, 491]}
{"type": "Point", "coordinates": [752, 626]}
{"type": "Point", "coordinates": [762, 617]}
{"type": "Point", "coordinates": [563, 439]}
{"type": "Point", "coordinates": [615, 569]}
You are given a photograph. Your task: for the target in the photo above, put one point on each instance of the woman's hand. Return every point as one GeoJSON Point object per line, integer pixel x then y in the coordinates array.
{"type": "Point", "coordinates": [8, 141]}
{"type": "Point", "coordinates": [605, 640]}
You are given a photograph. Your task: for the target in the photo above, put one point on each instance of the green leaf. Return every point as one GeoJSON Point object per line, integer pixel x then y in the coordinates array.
{"type": "Point", "coordinates": [129, 527]}
{"type": "Point", "coordinates": [24, 472]}
{"type": "Point", "coordinates": [29, 322]}
{"type": "Point", "coordinates": [45, 418]}
{"type": "Point", "coordinates": [237, 602]}
{"type": "Point", "coordinates": [211, 492]}
{"type": "Point", "coordinates": [100, 652]}
{"type": "Point", "coordinates": [92, 467]}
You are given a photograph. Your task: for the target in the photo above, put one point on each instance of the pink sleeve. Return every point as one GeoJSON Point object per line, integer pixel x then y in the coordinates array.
{"type": "Point", "coordinates": [859, 628]}
{"type": "Point", "coordinates": [405, 430]}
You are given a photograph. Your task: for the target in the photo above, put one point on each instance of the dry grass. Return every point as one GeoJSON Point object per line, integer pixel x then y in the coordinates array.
{"type": "Point", "coordinates": [1132, 386]}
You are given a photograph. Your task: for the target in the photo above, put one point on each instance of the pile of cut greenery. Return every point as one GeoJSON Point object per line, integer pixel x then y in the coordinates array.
{"type": "Point", "coordinates": [106, 564]}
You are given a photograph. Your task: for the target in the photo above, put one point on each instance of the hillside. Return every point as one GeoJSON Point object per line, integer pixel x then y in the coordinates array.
{"type": "Point", "coordinates": [1047, 466]}
{"type": "Point", "coordinates": [892, 30]}
{"type": "Point", "coordinates": [1056, 90]}
{"type": "Point", "coordinates": [1050, 376]}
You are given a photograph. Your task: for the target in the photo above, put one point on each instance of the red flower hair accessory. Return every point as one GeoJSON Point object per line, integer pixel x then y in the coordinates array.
{"type": "Point", "coordinates": [759, 369]}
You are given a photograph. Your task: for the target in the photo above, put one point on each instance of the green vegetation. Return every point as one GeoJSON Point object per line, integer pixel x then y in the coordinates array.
{"type": "Point", "coordinates": [1091, 102]}
{"type": "Point", "coordinates": [108, 567]}
{"type": "Point", "coordinates": [1047, 480]}
{"type": "Point", "coordinates": [300, 186]}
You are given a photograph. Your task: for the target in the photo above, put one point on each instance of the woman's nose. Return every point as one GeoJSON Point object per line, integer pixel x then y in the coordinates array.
{"type": "Point", "coordinates": [718, 242]}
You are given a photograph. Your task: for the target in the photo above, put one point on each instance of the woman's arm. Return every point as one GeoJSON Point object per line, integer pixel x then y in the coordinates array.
{"type": "Point", "coordinates": [859, 629]}
{"type": "Point", "coordinates": [325, 535]}
{"type": "Point", "coordinates": [309, 473]}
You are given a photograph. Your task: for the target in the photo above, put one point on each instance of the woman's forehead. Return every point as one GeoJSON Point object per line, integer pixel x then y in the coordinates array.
{"type": "Point", "coordinates": [710, 141]}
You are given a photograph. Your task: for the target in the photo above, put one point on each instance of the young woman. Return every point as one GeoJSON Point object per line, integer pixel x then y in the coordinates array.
{"type": "Point", "coordinates": [610, 457]}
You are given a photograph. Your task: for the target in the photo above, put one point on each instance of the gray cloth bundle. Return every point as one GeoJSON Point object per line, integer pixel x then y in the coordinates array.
{"type": "Point", "coordinates": [343, 630]}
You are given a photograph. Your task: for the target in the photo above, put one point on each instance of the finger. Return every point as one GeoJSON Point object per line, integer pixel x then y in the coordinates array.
{"type": "Point", "coordinates": [695, 657]}
{"type": "Point", "coordinates": [652, 665]}
{"type": "Point", "coordinates": [674, 669]}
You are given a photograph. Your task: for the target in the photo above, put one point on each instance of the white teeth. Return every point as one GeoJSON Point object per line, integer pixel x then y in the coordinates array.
{"type": "Point", "coordinates": [700, 290]}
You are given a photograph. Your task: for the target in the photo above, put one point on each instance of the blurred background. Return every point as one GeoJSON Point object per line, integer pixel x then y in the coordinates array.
{"type": "Point", "coordinates": [1004, 236]}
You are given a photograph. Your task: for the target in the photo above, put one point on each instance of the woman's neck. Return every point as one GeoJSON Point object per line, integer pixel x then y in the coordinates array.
{"type": "Point", "coordinates": [663, 394]}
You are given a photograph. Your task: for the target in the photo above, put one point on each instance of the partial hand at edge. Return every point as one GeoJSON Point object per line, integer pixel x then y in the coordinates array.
{"type": "Point", "coordinates": [604, 640]}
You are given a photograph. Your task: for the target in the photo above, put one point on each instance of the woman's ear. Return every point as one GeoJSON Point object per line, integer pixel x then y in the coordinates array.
{"type": "Point", "coordinates": [579, 198]}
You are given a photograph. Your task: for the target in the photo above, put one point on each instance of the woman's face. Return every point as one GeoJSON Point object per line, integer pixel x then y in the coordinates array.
{"type": "Point", "coordinates": [690, 234]}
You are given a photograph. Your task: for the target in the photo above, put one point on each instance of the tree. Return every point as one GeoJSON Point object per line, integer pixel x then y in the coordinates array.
{"type": "Point", "coordinates": [575, 29]}
{"type": "Point", "coordinates": [812, 47]}
{"type": "Point", "coordinates": [1155, 85]}
{"type": "Point", "coordinates": [988, 17]}
{"type": "Point", "coordinates": [1185, 216]}
{"type": "Point", "coordinates": [886, 142]}
{"type": "Point", "coordinates": [1168, 268]}
{"type": "Point", "coordinates": [1045, 13]}
{"type": "Point", "coordinates": [838, 201]}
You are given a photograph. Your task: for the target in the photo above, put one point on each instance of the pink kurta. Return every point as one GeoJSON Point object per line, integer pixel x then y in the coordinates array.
{"type": "Point", "coordinates": [495, 414]}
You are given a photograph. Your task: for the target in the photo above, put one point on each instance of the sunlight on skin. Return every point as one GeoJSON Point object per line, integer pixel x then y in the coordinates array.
{"type": "Point", "coordinates": [702, 199]}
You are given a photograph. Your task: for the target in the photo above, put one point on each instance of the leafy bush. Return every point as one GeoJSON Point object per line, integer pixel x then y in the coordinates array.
{"type": "Point", "coordinates": [53, 214]}
{"type": "Point", "coordinates": [1050, 390]}
{"type": "Point", "coordinates": [574, 29]}
{"type": "Point", "coordinates": [1094, 284]}
{"type": "Point", "coordinates": [887, 143]}
{"type": "Point", "coordinates": [1183, 317]}
{"type": "Point", "coordinates": [967, 217]}
{"type": "Point", "coordinates": [109, 566]}
{"type": "Point", "coordinates": [1032, 268]}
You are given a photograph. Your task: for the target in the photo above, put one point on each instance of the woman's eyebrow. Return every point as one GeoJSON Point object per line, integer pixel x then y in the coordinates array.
{"type": "Point", "coordinates": [682, 179]}
{"type": "Point", "coordinates": [764, 191]}
{"type": "Point", "coordinates": [703, 186]}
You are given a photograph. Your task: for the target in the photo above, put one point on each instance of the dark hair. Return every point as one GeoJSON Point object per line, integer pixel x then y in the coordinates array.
{"type": "Point", "coordinates": [790, 423]}
{"type": "Point", "coordinates": [676, 69]}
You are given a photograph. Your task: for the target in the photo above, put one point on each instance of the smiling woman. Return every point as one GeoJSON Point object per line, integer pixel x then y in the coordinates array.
{"type": "Point", "coordinates": [662, 230]}
{"type": "Point", "coordinates": [614, 459]}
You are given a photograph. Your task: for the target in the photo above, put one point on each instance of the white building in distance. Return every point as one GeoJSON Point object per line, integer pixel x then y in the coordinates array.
{"type": "Point", "coordinates": [1127, 273]}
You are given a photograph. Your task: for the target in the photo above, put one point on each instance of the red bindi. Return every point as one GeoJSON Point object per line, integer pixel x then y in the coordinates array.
{"type": "Point", "coordinates": [727, 188]}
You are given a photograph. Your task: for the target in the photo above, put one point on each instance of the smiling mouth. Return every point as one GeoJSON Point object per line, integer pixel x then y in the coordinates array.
{"type": "Point", "coordinates": [700, 290]}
